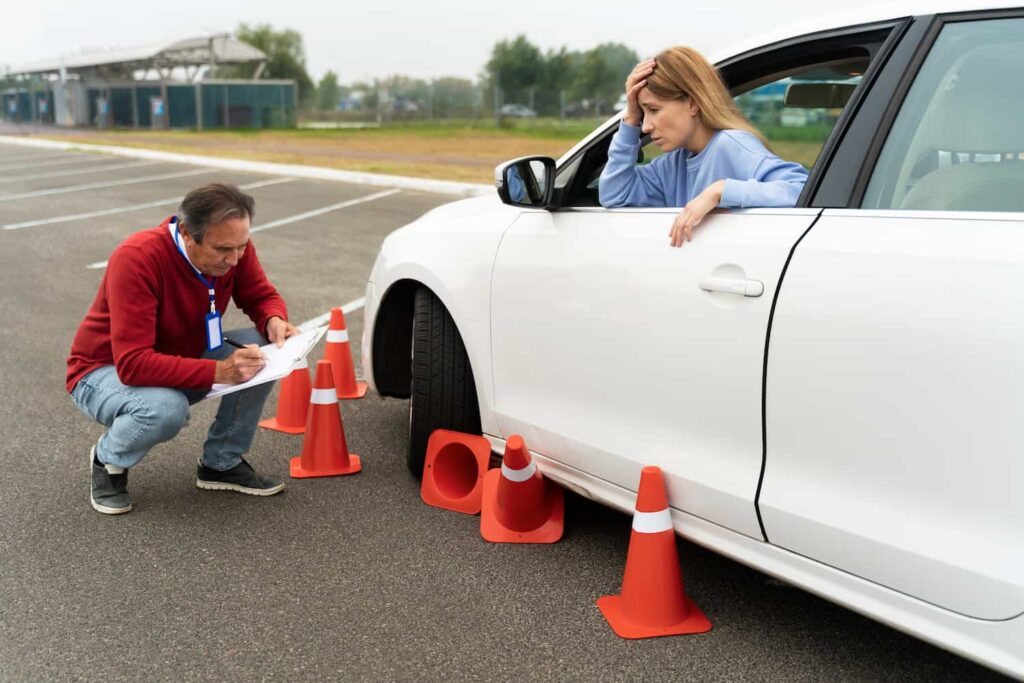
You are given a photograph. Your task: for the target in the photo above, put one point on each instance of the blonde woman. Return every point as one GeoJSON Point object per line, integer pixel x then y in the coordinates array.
{"type": "Point", "coordinates": [714, 156]}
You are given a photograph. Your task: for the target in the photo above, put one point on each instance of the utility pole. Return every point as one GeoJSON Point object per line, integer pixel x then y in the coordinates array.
{"type": "Point", "coordinates": [497, 100]}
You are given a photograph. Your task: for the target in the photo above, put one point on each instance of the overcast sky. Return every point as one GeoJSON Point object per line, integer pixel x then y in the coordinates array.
{"type": "Point", "coordinates": [421, 38]}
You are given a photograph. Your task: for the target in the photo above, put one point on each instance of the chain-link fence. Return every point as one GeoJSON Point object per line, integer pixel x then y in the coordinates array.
{"type": "Point", "coordinates": [440, 101]}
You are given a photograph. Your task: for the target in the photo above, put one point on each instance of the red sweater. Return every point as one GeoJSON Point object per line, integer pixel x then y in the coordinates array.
{"type": "Point", "coordinates": [149, 316]}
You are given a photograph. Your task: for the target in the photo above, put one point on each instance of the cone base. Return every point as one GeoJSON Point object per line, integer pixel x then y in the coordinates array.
{"type": "Point", "coordinates": [492, 530]}
{"type": "Point", "coordinates": [297, 472]}
{"type": "Point", "coordinates": [359, 392]}
{"type": "Point", "coordinates": [272, 423]}
{"type": "Point", "coordinates": [611, 608]}
{"type": "Point", "coordinates": [477, 448]}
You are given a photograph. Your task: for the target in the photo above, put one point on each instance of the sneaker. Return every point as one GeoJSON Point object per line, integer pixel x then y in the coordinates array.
{"type": "Point", "coordinates": [241, 478]}
{"type": "Point", "coordinates": [109, 491]}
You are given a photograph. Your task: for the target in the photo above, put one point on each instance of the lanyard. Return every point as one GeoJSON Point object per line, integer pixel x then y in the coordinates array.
{"type": "Point", "coordinates": [209, 284]}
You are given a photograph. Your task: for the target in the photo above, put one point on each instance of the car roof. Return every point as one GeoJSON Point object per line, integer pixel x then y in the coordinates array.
{"type": "Point", "coordinates": [861, 16]}
{"type": "Point", "coordinates": [868, 14]}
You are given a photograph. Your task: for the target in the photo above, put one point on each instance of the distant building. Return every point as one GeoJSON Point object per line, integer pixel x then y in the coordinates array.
{"type": "Point", "coordinates": [160, 86]}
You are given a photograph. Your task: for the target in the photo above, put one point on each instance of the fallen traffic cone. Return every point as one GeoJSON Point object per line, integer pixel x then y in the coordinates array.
{"type": "Point", "coordinates": [292, 402]}
{"type": "Point", "coordinates": [453, 474]}
{"type": "Point", "coordinates": [653, 601]}
{"type": "Point", "coordinates": [338, 352]}
{"type": "Point", "coordinates": [519, 505]}
{"type": "Point", "coordinates": [324, 451]}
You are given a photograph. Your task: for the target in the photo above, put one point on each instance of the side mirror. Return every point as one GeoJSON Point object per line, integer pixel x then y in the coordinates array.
{"type": "Point", "coordinates": [527, 181]}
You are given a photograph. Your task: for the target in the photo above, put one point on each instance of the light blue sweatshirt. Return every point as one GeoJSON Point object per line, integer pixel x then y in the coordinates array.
{"type": "Point", "coordinates": [753, 176]}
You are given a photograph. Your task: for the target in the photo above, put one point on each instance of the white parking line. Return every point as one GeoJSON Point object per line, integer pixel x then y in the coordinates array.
{"type": "Point", "coordinates": [125, 209]}
{"type": "Point", "coordinates": [321, 320]}
{"type": "Point", "coordinates": [294, 219]}
{"type": "Point", "coordinates": [108, 183]}
{"type": "Point", "coordinates": [28, 155]}
{"type": "Point", "coordinates": [16, 158]}
{"type": "Point", "coordinates": [78, 171]}
{"type": "Point", "coordinates": [31, 162]}
{"type": "Point", "coordinates": [326, 209]}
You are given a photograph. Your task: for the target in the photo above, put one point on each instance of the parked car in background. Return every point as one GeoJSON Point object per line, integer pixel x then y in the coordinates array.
{"type": "Point", "coordinates": [520, 111]}
{"type": "Point", "coordinates": [833, 391]}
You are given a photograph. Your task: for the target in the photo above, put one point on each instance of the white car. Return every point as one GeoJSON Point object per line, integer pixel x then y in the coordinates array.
{"type": "Point", "coordinates": [835, 391]}
{"type": "Point", "coordinates": [520, 111]}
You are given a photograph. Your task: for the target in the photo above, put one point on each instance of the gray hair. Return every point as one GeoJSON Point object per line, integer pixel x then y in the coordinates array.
{"type": "Point", "coordinates": [212, 204]}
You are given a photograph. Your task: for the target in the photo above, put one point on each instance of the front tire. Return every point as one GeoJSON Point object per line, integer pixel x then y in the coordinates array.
{"type": "Point", "coordinates": [442, 392]}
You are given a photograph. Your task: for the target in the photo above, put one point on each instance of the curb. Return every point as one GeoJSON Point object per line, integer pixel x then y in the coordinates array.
{"type": "Point", "coordinates": [448, 187]}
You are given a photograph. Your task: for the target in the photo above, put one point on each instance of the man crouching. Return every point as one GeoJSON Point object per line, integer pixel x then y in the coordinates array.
{"type": "Point", "coordinates": [151, 345]}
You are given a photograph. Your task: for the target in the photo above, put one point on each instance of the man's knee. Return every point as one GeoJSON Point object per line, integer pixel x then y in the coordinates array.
{"type": "Point", "coordinates": [164, 412]}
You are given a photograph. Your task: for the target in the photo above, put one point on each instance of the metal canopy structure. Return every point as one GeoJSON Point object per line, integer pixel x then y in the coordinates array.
{"type": "Point", "coordinates": [122, 63]}
{"type": "Point", "coordinates": [157, 86]}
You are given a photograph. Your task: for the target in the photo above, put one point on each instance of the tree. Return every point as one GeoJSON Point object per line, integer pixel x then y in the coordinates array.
{"type": "Point", "coordinates": [454, 97]}
{"type": "Point", "coordinates": [286, 57]}
{"type": "Point", "coordinates": [602, 74]}
{"type": "Point", "coordinates": [514, 65]}
{"type": "Point", "coordinates": [560, 69]}
{"type": "Point", "coordinates": [328, 92]}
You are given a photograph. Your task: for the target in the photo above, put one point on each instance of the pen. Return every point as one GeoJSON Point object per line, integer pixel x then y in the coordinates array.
{"type": "Point", "coordinates": [240, 346]}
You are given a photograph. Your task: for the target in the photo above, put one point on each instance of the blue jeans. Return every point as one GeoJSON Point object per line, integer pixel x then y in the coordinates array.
{"type": "Point", "coordinates": [138, 418]}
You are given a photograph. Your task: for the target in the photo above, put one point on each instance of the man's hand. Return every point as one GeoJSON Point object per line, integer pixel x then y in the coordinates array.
{"type": "Point", "coordinates": [279, 329]}
{"type": "Point", "coordinates": [693, 213]}
{"type": "Point", "coordinates": [240, 366]}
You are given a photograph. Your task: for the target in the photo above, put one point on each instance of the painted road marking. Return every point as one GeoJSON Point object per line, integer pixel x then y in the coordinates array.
{"type": "Point", "coordinates": [326, 209]}
{"type": "Point", "coordinates": [293, 219]}
{"type": "Point", "coordinates": [322, 320]}
{"type": "Point", "coordinates": [125, 209]}
{"type": "Point", "coordinates": [77, 171]}
{"type": "Point", "coordinates": [18, 158]}
{"type": "Point", "coordinates": [108, 183]}
{"type": "Point", "coordinates": [23, 165]}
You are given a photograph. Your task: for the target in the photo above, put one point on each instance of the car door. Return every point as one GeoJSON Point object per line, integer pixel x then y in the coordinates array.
{"type": "Point", "coordinates": [612, 350]}
{"type": "Point", "coordinates": [894, 402]}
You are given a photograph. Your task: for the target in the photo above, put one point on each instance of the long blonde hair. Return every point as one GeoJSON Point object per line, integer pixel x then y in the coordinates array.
{"type": "Point", "coordinates": [682, 73]}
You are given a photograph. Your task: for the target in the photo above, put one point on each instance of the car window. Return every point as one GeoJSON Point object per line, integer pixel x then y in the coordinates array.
{"type": "Point", "coordinates": [797, 113]}
{"type": "Point", "coordinates": [795, 109]}
{"type": "Point", "coordinates": [957, 143]}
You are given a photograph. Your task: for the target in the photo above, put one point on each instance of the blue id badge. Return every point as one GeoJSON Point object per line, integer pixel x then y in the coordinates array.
{"type": "Point", "coordinates": [214, 336]}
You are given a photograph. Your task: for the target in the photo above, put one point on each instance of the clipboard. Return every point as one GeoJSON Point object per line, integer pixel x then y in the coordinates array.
{"type": "Point", "coordinates": [280, 361]}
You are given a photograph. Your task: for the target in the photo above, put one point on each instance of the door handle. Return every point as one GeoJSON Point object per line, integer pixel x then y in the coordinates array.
{"type": "Point", "coordinates": [732, 285]}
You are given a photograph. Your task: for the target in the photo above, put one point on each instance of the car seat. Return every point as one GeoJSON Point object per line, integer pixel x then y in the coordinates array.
{"type": "Point", "coordinates": [981, 114]}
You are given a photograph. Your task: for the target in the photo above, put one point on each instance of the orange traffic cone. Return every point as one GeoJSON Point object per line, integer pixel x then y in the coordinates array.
{"type": "Point", "coordinates": [292, 402]}
{"type": "Point", "coordinates": [453, 474]}
{"type": "Point", "coordinates": [653, 601]}
{"type": "Point", "coordinates": [519, 505]}
{"type": "Point", "coordinates": [324, 451]}
{"type": "Point", "coordinates": [338, 352]}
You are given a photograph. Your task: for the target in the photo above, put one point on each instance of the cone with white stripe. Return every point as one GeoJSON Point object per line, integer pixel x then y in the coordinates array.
{"type": "Point", "coordinates": [653, 601]}
{"type": "Point", "coordinates": [519, 505]}
{"type": "Point", "coordinates": [337, 351]}
{"type": "Point", "coordinates": [292, 402]}
{"type": "Point", "coordinates": [324, 451]}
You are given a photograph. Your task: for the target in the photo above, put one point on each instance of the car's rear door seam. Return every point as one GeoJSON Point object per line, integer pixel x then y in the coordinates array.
{"type": "Point", "coordinates": [764, 376]}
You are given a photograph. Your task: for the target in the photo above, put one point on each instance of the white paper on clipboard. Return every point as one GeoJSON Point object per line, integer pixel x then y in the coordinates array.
{"type": "Point", "coordinates": [280, 361]}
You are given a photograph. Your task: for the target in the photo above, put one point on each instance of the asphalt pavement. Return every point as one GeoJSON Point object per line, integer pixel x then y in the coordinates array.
{"type": "Point", "coordinates": [349, 578]}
